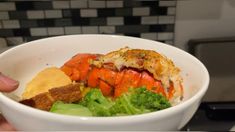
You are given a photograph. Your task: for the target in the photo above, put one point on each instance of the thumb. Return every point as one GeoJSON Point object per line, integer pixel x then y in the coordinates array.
{"type": "Point", "coordinates": [7, 84]}
{"type": "Point", "coordinates": [4, 125]}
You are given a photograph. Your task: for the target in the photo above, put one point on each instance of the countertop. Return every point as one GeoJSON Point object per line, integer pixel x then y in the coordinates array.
{"type": "Point", "coordinates": [200, 122]}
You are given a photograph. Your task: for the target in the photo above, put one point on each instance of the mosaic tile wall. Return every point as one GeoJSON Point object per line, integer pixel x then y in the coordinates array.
{"type": "Point", "coordinates": [22, 21]}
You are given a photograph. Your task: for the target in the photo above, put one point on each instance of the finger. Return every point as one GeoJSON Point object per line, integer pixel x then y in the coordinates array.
{"type": "Point", "coordinates": [7, 84]}
{"type": "Point", "coordinates": [4, 125]}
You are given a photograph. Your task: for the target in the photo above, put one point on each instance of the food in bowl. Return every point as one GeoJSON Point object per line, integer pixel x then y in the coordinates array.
{"type": "Point", "coordinates": [45, 80]}
{"type": "Point", "coordinates": [55, 51]}
{"type": "Point", "coordinates": [122, 82]}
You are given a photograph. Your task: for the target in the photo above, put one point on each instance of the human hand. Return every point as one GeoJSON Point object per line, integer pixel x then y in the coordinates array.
{"type": "Point", "coordinates": [6, 85]}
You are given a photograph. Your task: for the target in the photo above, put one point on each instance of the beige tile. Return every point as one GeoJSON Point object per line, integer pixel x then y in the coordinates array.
{"type": "Point", "coordinates": [96, 3]}
{"type": "Point", "coordinates": [90, 29]}
{"type": "Point", "coordinates": [152, 36]}
{"type": "Point", "coordinates": [55, 31]}
{"type": "Point", "coordinates": [141, 11]}
{"type": "Point", "coordinates": [88, 12]}
{"type": "Point", "coordinates": [15, 40]}
{"type": "Point", "coordinates": [38, 31]}
{"type": "Point", "coordinates": [73, 30]}
{"type": "Point", "coordinates": [7, 6]}
{"type": "Point", "coordinates": [53, 13]}
{"type": "Point", "coordinates": [167, 3]}
{"type": "Point", "coordinates": [114, 4]}
{"type": "Point", "coordinates": [115, 21]}
{"type": "Point", "coordinates": [35, 14]}
{"type": "Point", "coordinates": [106, 29]}
{"type": "Point", "coordinates": [3, 43]}
{"type": "Point", "coordinates": [60, 4]}
{"type": "Point", "coordinates": [79, 3]}
{"type": "Point", "coordinates": [4, 15]}
{"type": "Point", "coordinates": [11, 24]}
{"type": "Point", "coordinates": [149, 20]}
{"type": "Point", "coordinates": [165, 36]}
{"type": "Point", "coordinates": [166, 19]}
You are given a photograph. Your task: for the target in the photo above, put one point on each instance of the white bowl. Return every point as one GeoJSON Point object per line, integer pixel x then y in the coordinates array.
{"type": "Point", "coordinates": [24, 61]}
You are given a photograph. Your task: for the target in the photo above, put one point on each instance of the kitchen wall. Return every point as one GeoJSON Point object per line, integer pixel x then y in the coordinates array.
{"type": "Point", "coordinates": [22, 21]}
{"type": "Point", "coordinates": [30, 20]}
{"type": "Point", "coordinates": [197, 19]}
{"type": "Point", "coordinates": [203, 19]}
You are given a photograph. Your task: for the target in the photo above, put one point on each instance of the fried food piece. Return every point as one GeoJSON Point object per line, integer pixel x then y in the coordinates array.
{"type": "Point", "coordinates": [68, 94]}
{"type": "Point", "coordinates": [46, 79]}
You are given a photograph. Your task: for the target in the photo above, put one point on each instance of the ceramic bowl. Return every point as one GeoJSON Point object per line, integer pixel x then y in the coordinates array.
{"type": "Point", "coordinates": [24, 61]}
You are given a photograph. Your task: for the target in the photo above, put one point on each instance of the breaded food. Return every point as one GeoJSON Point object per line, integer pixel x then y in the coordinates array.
{"type": "Point", "coordinates": [68, 94]}
{"type": "Point", "coordinates": [46, 79]}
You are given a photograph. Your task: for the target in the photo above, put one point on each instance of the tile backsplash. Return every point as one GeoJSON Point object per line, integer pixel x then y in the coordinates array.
{"type": "Point", "coordinates": [22, 21]}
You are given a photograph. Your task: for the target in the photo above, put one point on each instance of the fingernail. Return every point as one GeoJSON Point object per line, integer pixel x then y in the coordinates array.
{"type": "Point", "coordinates": [8, 82]}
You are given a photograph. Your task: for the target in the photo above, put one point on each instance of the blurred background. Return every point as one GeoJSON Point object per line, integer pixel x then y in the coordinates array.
{"type": "Point", "coordinates": [204, 28]}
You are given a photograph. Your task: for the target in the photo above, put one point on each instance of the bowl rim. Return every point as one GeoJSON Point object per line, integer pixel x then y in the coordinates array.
{"type": "Point", "coordinates": [101, 120]}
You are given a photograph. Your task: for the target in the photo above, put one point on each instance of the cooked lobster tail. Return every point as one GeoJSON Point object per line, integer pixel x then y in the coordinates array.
{"type": "Point", "coordinates": [117, 71]}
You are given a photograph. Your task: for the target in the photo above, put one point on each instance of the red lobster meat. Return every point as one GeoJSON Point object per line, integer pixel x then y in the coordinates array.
{"type": "Point", "coordinates": [114, 73]}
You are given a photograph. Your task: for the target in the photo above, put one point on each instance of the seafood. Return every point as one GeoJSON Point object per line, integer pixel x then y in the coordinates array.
{"type": "Point", "coordinates": [114, 73]}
